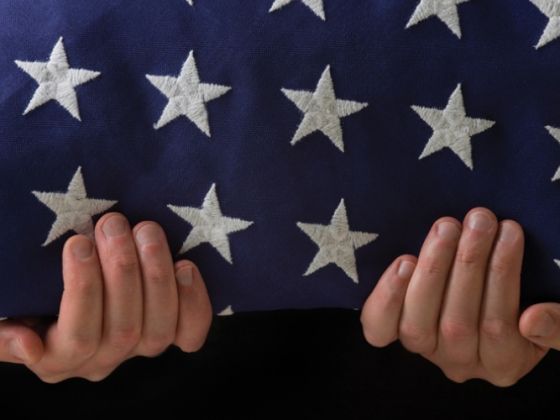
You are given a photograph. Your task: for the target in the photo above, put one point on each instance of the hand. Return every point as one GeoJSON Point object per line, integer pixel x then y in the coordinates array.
{"type": "Point", "coordinates": [457, 305]}
{"type": "Point", "coordinates": [124, 299]}
{"type": "Point", "coordinates": [540, 323]}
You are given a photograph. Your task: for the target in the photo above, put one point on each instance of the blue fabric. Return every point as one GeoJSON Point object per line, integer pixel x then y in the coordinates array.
{"type": "Point", "coordinates": [259, 176]}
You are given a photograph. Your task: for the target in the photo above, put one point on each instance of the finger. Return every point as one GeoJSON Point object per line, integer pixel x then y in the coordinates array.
{"type": "Point", "coordinates": [195, 309]}
{"type": "Point", "coordinates": [19, 344]}
{"type": "Point", "coordinates": [461, 305]}
{"type": "Point", "coordinates": [122, 313]}
{"type": "Point", "coordinates": [540, 323]}
{"type": "Point", "coordinates": [419, 320]}
{"type": "Point", "coordinates": [500, 342]}
{"type": "Point", "coordinates": [382, 310]}
{"type": "Point", "coordinates": [77, 333]}
{"type": "Point", "coordinates": [160, 289]}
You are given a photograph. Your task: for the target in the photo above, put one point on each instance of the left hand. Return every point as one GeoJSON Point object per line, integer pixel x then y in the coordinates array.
{"type": "Point", "coordinates": [457, 304]}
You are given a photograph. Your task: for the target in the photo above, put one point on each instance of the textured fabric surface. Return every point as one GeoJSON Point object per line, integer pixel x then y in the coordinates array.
{"type": "Point", "coordinates": [196, 106]}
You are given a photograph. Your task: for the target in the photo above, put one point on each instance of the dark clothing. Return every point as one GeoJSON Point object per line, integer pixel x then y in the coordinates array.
{"type": "Point", "coordinates": [289, 365]}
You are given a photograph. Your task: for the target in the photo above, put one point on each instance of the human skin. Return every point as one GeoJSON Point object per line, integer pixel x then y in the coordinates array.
{"type": "Point", "coordinates": [123, 297]}
{"type": "Point", "coordinates": [457, 303]}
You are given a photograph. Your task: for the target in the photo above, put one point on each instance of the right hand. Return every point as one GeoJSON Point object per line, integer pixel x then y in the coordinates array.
{"type": "Point", "coordinates": [125, 299]}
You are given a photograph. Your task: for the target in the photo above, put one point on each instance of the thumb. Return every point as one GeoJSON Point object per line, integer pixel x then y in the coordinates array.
{"type": "Point", "coordinates": [19, 344]}
{"type": "Point", "coordinates": [195, 309]}
{"type": "Point", "coordinates": [540, 324]}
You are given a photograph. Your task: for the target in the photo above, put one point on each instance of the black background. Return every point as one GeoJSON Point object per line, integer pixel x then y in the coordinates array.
{"type": "Point", "coordinates": [284, 364]}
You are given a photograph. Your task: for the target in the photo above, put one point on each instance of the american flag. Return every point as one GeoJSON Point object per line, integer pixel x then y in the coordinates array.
{"type": "Point", "coordinates": [290, 148]}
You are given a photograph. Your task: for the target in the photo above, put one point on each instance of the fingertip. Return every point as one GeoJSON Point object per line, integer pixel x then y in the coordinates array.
{"type": "Point", "coordinates": [448, 219]}
{"type": "Point", "coordinates": [184, 273]}
{"type": "Point", "coordinates": [405, 266]}
{"type": "Point", "coordinates": [32, 346]}
{"type": "Point", "coordinates": [488, 212]}
{"type": "Point", "coordinates": [540, 323]}
{"type": "Point", "coordinates": [98, 230]}
{"type": "Point", "coordinates": [107, 216]}
{"type": "Point", "coordinates": [510, 232]}
{"type": "Point", "coordinates": [195, 308]}
{"type": "Point", "coordinates": [139, 225]}
{"type": "Point", "coordinates": [79, 248]}
{"type": "Point", "coordinates": [381, 311]}
{"type": "Point", "coordinates": [183, 264]}
{"type": "Point", "coordinates": [19, 344]}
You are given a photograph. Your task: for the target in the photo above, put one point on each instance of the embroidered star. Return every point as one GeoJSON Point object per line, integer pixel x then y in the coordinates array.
{"type": "Point", "coordinates": [555, 132]}
{"type": "Point", "coordinates": [550, 8]}
{"type": "Point", "coordinates": [322, 110]}
{"type": "Point", "coordinates": [452, 128]}
{"type": "Point", "coordinates": [445, 10]}
{"type": "Point", "coordinates": [315, 5]}
{"type": "Point", "coordinates": [56, 80]}
{"type": "Point", "coordinates": [209, 225]}
{"type": "Point", "coordinates": [227, 311]}
{"type": "Point", "coordinates": [337, 244]}
{"type": "Point", "coordinates": [74, 210]}
{"type": "Point", "coordinates": [557, 262]}
{"type": "Point", "coordinates": [187, 96]}
{"type": "Point", "coordinates": [190, 2]}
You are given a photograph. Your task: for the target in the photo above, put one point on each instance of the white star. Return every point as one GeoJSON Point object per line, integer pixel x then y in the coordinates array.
{"type": "Point", "coordinates": [190, 2]}
{"type": "Point", "coordinates": [550, 8]}
{"type": "Point", "coordinates": [322, 110]}
{"type": "Point", "coordinates": [555, 132]}
{"type": "Point", "coordinates": [209, 225]}
{"type": "Point", "coordinates": [315, 5]}
{"type": "Point", "coordinates": [187, 96]}
{"type": "Point", "coordinates": [337, 244]}
{"type": "Point", "coordinates": [73, 209]}
{"type": "Point", "coordinates": [227, 311]}
{"type": "Point", "coordinates": [445, 10]}
{"type": "Point", "coordinates": [557, 262]}
{"type": "Point", "coordinates": [56, 80]}
{"type": "Point", "coordinates": [452, 128]}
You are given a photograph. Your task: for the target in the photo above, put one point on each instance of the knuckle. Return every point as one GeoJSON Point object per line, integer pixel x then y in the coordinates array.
{"type": "Point", "coordinates": [459, 376]}
{"type": "Point", "coordinates": [126, 264]}
{"type": "Point", "coordinates": [389, 297]}
{"type": "Point", "coordinates": [456, 331]}
{"type": "Point", "coordinates": [158, 274]}
{"type": "Point", "coordinates": [51, 374]}
{"type": "Point", "coordinates": [496, 329]}
{"type": "Point", "coordinates": [51, 379]}
{"type": "Point", "coordinates": [432, 267]}
{"type": "Point", "coordinates": [500, 267]}
{"type": "Point", "coordinates": [504, 381]}
{"type": "Point", "coordinates": [468, 256]}
{"type": "Point", "coordinates": [98, 376]}
{"type": "Point", "coordinates": [192, 344]}
{"type": "Point", "coordinates": [124, 339]}
{"type": "Point", "coordinates": [416, 339]}
{"type": "Point", "coordinates": [377, 340]}
{"type": "Point", "coordinates": [152, 251]}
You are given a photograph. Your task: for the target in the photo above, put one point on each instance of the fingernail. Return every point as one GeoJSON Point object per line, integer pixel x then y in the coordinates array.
{"type": "Point", "coordinates": [82, 249]}
{"type": "Point", "coordinates": [480, 221]}
{"type": "Point", "coordinates": [508, 233]}
{"type": "Point", "coordinates": [148, 234]}
{"type": "Point", "coordinates": [405, 269]}
{"type": "Point", "coordinates": [16, 350]}
{"type": "Point", "coordinates": [448, 230]}
{"type": "Point", "coordinates": [114, 226]}
{"type": "Point", "coordinates": [544, 326]}
{"type": "Point", "coordinates": [185, 276]}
